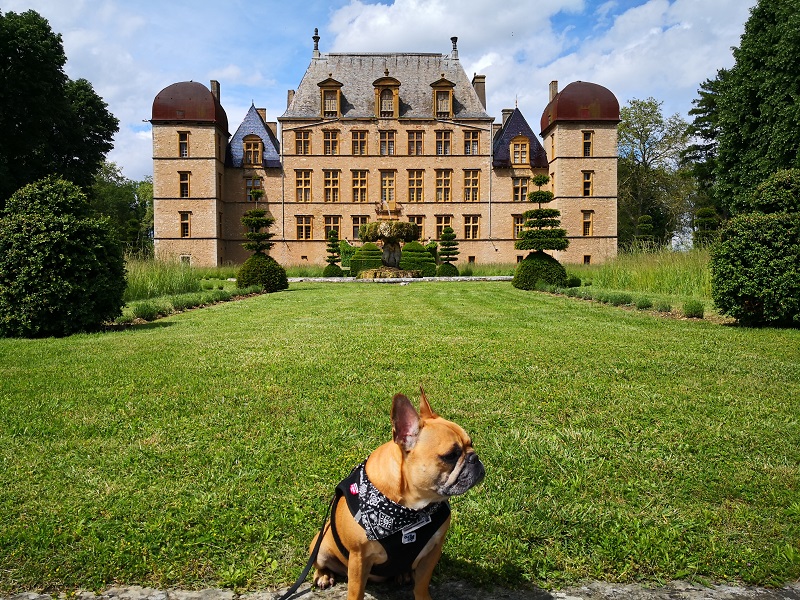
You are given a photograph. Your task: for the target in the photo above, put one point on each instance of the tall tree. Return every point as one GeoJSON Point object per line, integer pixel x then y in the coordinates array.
{"type": "Point", "coordinates": [127, 204]}
{"type": "Point", "coordinates": [651, 182]}
{"type": "Point", "coordinates": [758, 110]}
{"type": "Point", "coordinates": [49, 124]}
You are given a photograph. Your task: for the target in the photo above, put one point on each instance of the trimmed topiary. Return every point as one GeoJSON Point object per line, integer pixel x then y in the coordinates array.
{"type": "Point", "coordinates": [368, 256]}
{"type": "Point", "coordinates": [61, 269]}
{"type": "Point", "coordinates": [262, 270]}
{"type": "Point", "coordinates": [447, 270]}
{"type": "Point", "coordinates": [779, 193]}
{"type": "Point", "coordinates": [332, 270]}
{"type": "Point", "coordinates": [694, 309]}
{"type": "Point", "coordinates": [539, 266]}
{"type": "Point", "coordinates": [416, 258]}
{"type": "Point", "coordinates": [755, 269]}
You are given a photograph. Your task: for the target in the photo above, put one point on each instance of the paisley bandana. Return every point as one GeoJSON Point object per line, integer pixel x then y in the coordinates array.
{"type": "Point", "coordinates": [381, 517]}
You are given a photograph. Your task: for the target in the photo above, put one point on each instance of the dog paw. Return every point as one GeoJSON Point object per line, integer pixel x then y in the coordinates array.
{"type": "Point", "coordinates": [323, 580]}
{"type": "Point", "coordinates": [404, 578]}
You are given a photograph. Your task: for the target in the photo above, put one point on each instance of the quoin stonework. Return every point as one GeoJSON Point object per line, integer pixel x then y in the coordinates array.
{"type": "Point", "coordinates": [381, 136]}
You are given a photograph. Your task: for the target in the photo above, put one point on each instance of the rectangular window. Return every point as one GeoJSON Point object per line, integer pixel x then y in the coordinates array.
{"type": "Point", "coordinates": [183, 144]}
{"type": "Point", "coordinates": [443, 221]}
{"type": "Point", "coordinates": [359, 143]}
{"type": "Point", "coordinates": [358, 221]}
{"type": "Point", "coordinates": [552, 146]}
{"type": "Point", "coordinates": [183, 182]}
{"type": "Point", "coordinates": [519, 225]}
{"type": "Point", "coordinates": [588, 222]}
{"type": "Point", "coordinates": [471, 142]}
{"type": "Point", "coordinates": [330, 144]}
{"type": "Point", "coordinates": [387, 143]}
{"type": "Point", "coordinates": [252, 153]}
{"type": "Point", "coordinates": [331, 186]}
{"type": "Point", "coordinates": [587, 259]}
{"type": "Point", "coordinates": [471, 227]}
{"type": "Point", "coordinates": [359, 186]}
{"type": "Point", "coordinates": [587, 143]}
{"type": "Point", "coordinates": [186, 224]}
{"type": "Point", "coordinates": [332, 223]}
{"type": "Point", "coordinates": [387, 186]}
{"type": "Point", "coordinates": [304, 227]}
{"type": "Point", "coordinates": [519, 153]}
{"type": "Point", "coordinates": [250, 184]}
{"type": "Point", "coordinates": [443, 183]}
{"type": "Point", "coordinates": [302, 142]}
{"type": "Point", "coordinates": [387, 103]}
{"type": "Point", "coordinates": [415, 143]}
{"type": "Point", "coordinates": [415, 185]}
{"type": "Point", "coordinates": [303, 185]}
{"type": "Point", "coordinates": [420, 221]}
{"type": "Point", "coordinates": [520, 189]}
{"type": "Point", "coordinates": [588, 183]}
{"type": "Point", "coordinates": [331, 101]}
{"type": "Point", "coordinates": [442, 143]}
{"type": "Point", "coordinates": [472, 179]}
{"type": "Point", "coordinates": [442, 104]}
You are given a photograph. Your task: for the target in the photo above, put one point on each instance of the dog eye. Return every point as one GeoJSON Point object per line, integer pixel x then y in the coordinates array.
{"type": "Point", "coordinates": [452, 457]}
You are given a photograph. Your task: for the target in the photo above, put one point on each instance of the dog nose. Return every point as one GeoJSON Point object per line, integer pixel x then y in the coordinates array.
{"type": "Point", "coordinates": [472, 458]}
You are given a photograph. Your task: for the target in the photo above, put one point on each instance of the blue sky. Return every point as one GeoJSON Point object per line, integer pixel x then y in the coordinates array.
{"type": "Point", "coordinates": [259, 49]}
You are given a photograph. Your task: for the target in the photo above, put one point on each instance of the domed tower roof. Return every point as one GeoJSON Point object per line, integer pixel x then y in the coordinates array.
{"type": "Point", "coordinates": [189, 101]}
{"type": "Point", "coordinates": [581, 101]}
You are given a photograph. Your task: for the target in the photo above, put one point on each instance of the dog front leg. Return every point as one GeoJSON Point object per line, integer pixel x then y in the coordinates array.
{"type": "Point", "coordinates": [423, 571]}
{"type": "Point", "coordinates": [358, 568]}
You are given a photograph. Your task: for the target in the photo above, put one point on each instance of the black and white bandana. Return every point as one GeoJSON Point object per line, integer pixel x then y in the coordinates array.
{"type": "Point", "coordinates": [381, 517]}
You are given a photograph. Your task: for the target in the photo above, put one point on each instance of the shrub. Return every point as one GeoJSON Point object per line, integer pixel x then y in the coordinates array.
{"type": "Point", "coordinates": [644, 303]}
{"type": "Point", "coordinates": [61, 269]}
{"type": "Point", "coordinates": [539, 266]}
{"type": "Point", "coordinates": [779, 193]}
{"type": "Point", "coordinates": [262, 269]}
{"type": "Point", "coordinates": [663, 306]}
{"type": "Point", "coordinates": [332, 270]}
{"type": "Point", "coordinates": [694, 309]}
{"type": "Point", "coordinates": [755, 269]}
{"type": "Point", "coordinates": [573, 281]}
{"type": "Point", "coordinates": [416, 258]}
{"type": "Point", "coordinates": [346, 252]}
{"type": "Point", "coordinates": [620, 299]}
{"type": "Point", "coordinates": [368, 256]}
{"type": "Point", "coordinates": [447, 269]}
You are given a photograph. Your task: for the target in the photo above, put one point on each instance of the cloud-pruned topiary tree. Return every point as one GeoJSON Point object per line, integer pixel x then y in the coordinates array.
{"type": "Point", "coordinates": [62, 269]}
{"type": "Point", "coordinates": [332, 269]}
{"type": "Point", "coordinates": [448, 253]}
{"type": "Point", "coordinates": [542, 232]}
{"type": "Point", "coordinates": [260, 269]}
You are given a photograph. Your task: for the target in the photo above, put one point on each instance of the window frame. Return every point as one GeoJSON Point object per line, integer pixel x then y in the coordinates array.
{"type": "Point", "coordinates": [588, 183]}
{"type": "Point", "coordinates": [252, 150]}
{"type": "Point", "coordinates": [305, 227]}
{"type": "Point", "coordinates": [588, 143]}
{"type": "Point", "coordinates": [588, 223]}
{"type": "Point", "coordinates": [358, 221]}
{"type": "Point", "coordinates": [302, 142]}
{"type": "Point", "coordinates": [250, 185]}
{"type": "Point", "coordinates": [444, 185]}
{"type": "Point", "coordinates": [359, 185]}
{"type": "Point", "coordinates": [303, 179]}
{"type": "Point", "coordinates": [519, 188]}
{"type": "Point", "coordinates": [420, 222]}
{"type": "Point", "coordinates": [442, 221]}
{"type": "Point", "coordinates": [416, 185]}
{"type": "Point", "coordinates": [332, 222]}
{"type": "Point", "coordinates": [388, 187]}
{"type": "Point", "coordinates": [444, 140]}
{"type": "Point", "coordinates": [330, 142]}
{"type": "Point", "coordinates": [471, 143]}
{"type": "Point", "coordinates": [183, 144]}
{"type": "Point", "coordinates": [360, 145]}
{"type": "Point", "coordinates": [331, 189]}
{"type": "Point", "coordinates": [520, 150]}
{"type": "Point", "coordinates": [472, 185]}
{"type": "Point", "coordinates": [517, 225]}
{"type": "Point", "coordinates": [472, 227]}
{"type": "Point", "coordinates": [386, 142]}
{"type": "Point", "coordinates": [184, 184]}
{"type": "Point", "coordinates": [185, 224]}
{"type": "Point", "coordinates": [416, 142]}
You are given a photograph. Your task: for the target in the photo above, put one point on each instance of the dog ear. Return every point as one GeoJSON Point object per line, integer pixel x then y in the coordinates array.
{"type": "Point", "coordinates": [425, 410]}
{"type": "Point", "coordinates": [405, 422]}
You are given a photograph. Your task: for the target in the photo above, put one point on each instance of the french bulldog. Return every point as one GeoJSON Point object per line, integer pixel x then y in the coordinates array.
{"type": "Point", "coordinates": [390, 516]}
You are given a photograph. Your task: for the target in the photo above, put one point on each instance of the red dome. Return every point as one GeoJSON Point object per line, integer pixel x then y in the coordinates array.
{"type": "Point", "coordinates": [189, 101]}
{"type": "Point", "coordinates": [581, 101]}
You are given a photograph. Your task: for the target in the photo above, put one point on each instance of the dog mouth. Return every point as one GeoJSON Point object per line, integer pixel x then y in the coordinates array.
{"type": "Point", "coordinates": [471, 474]}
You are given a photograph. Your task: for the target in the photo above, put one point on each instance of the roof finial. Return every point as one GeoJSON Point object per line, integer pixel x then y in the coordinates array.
{"type": "Point", "coordinates": [316, 42]}
{"type": "Point", "coordinates": [454, 39]}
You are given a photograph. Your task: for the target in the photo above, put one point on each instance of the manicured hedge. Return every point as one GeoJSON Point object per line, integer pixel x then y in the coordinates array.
{"type": "Point", "coordinates": [416, 258]}
{"type": "Point", "coordinates": [539, 266]}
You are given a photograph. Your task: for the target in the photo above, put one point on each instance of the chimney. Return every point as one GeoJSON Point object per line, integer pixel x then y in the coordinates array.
{"type": "Point", "coordinates": [553, 89]}
{"type": "Point", "coordinates": [506, 113]}
{"type": "Point", "coordinates": [215, 89]}
{"type": "Point", "coordinates": [454, 55]}
{"type": "Point", "coordinates": [273, 127]}
{"type": "Point", "coordinates": [262, 113]}
{"type": "Point", "coordinates": [315, 37]}
{"type": "Point", "coordinates": [289, 98]}
{"type": "Point", "coordinates": [496, 127]}
{"type": "Point", "coordinates": [479, 83]}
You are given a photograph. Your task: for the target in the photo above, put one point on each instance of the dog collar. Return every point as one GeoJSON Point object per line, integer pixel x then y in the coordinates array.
{"type": "Point", "coordinates": [378, 515]}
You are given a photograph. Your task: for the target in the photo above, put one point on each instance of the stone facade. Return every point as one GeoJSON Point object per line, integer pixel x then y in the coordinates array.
{"type": "Point", "coordinates": [376, 136]}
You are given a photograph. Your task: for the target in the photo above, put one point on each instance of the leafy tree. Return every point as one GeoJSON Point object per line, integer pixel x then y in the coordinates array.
{"type": "Point", "coordinates": [448, 253]}
{"type": "Point", "coordinates": [48, 123]}
{"type": "Point", "coordinates": [258, 221]}
{"type": "Point", "coordinates": [127, 204]}
{"type": "Point", "coordinates": [61, 268]}
{"type": "Point", "coordinates": [542, 231]}
{"type": "Point", "coordinates": [650, 179]}
{"type": "Point", "coordinates": [757, 110]}
{"type": "Point", "coordinates": [332, 269]}
{"type": "Point", "coordinates": [706, 226]}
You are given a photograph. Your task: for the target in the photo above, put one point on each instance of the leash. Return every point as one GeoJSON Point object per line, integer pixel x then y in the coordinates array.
{"type": "Point", "coordinates": [291, 591]}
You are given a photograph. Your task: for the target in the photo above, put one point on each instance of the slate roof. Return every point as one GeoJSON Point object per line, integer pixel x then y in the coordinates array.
{"type": "Point", "coordinates": [357, 72]}
{"type": "Point", "coordinates": [253, 124]}
{"type": "Point", "coordinates": [517, 125]}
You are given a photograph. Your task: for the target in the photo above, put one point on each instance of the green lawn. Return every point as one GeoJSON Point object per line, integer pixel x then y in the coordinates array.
{"type": "Point", "coordinates": [202, 449]}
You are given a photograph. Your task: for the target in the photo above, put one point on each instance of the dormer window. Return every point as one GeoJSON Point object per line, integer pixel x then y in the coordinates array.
{"type": "Point", "coordinates": [387, 97]}
{"type": "Point", "coordinates": [520, 151]}
{"type": "Point", "coordinates": [443, 98]}
{"type": "Point", "coordinates": [253, 147]}
{"type": "Point", "coordinates": [331, 98]}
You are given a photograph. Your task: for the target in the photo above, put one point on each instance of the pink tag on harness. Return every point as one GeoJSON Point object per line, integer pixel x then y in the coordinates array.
{"type": "Point", "coordinates": [354, 489]}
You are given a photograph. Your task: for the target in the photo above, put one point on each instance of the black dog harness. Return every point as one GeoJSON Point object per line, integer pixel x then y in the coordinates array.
{"type": "Point", "coordinates": [403, 532]}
